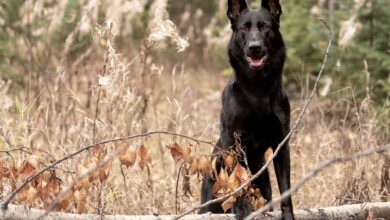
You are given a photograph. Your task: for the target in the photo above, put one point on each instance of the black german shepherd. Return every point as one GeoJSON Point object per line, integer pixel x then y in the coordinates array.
{"type": "Point", "coordinates": [254, 104]}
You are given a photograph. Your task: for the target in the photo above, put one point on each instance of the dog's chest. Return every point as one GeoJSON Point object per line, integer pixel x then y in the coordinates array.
{"type": "Point", "coordinates": [254, 120]}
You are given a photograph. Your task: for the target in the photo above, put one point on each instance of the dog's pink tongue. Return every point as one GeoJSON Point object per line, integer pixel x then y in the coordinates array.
{"type": "Point", "coordinates": [257, 62]}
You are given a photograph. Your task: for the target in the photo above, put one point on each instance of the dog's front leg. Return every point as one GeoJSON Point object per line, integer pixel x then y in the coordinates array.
{"type": "Point", "coordinates": [282, 171]}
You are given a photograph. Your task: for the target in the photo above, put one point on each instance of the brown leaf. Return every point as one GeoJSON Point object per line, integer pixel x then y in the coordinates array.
{"type": "Point", "coordinates": [44, 177]}
{"type": "Point", "coordinates": [241, 173]}
{"type": "Point", "coordinates": [128, 156]}
{"type": "Point", "coordinates": [99, 152]}
{"type": "Point", "coordinates": [187, 154]}
{"type": "Point", "coordinates": [28, 168]}
{"type": "Point", "coordinates": [223, 180]}
{"type": "Point", "coordinates": [176, 152]}
{"type": "Point", "coordinates": [49, 191]}
{"type": "Point", "coordinates": [233, 182]}
{"type": "Point", "coordinates": [228, 203]}
{"type": "Point", "coordinates": [4, 172]}
{"type": "Point", "coordinates": [259, 201]}
{"type": "Point", "coordinates": [31, 194]}
{"type": "Point", "coordinates": [92, 166]}
{"type": "Point", "coordinates": [216, 187]}
{"type": "Point", "coordinates": [204, 166]}
{"type": "Point", "coordinates": [22, 194]}
{"type": "Point", "coordinates": [105, 171]}
{"type": "Point", "coordinates": [229, 161]}
{"type": "Point", "coordinates": [13, 176]}
{"type": "Point", "coordinates": [194, 164]}
{"type": "Point", "coordinates": [144, 156]}
{"type": "Point", "coordinates": [65, 201]}
{"type": "Point", "coordinates": [80, 198]}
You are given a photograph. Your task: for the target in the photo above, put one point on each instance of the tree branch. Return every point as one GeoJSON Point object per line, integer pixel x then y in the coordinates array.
{"type": "Point", "coordinates": [314, 172]}
{"type": "Point", "coordinates": [358, 211]}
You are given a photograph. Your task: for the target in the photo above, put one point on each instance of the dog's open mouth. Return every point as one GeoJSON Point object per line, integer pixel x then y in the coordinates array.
{"type": "Point", "coordinates": [256, 62]}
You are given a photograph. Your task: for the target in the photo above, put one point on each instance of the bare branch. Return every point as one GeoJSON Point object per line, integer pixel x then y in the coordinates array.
{"type": "Point", "coordinates": [358, 211]}
{"type": "Point", "coordinates": [83, 149]}
{"type": "Point", "coordinates": [22, 149]}
{"type": "Point", "coordinates": [285, 140]}
{"type": "Point", "coordinates": [314, 172]}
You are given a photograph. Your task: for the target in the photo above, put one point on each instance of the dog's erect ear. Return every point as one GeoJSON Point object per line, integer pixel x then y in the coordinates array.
{"type": "Point", "coordinates": [235, 7]}
{"type": "Point", "coordinates": [273, 6]}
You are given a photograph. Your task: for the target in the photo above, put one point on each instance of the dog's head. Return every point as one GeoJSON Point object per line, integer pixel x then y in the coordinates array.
{"type": "Point", "coordinates": [256, 37]}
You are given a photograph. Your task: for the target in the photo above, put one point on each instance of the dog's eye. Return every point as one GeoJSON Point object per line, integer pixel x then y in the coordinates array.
{"type": "Point", "coordinates": [265, 27]}
{"type": "Point", "coordinates": [243, 28]}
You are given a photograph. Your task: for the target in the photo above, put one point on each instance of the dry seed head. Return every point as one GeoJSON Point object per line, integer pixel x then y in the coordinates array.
{"type": "Point", "coordinates": [162, 29]}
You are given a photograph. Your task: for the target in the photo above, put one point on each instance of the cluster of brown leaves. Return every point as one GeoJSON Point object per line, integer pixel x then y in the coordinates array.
{"type": "Point", "coordinates": [197, 164]}
{"type": "Point", "coordinates": [89, 174]}
{"type": "Point", "coordinates": [43, 189]}
{"type": "Point", "coordinates": [231, 176]}
{"type": "Point", "coordinates": [128, 154]}
{"type": "Point", "coordinates": [47, 187]}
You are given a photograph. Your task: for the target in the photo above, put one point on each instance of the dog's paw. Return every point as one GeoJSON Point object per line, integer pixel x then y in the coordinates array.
{"type": "Point", "coordinates": [241, 208]}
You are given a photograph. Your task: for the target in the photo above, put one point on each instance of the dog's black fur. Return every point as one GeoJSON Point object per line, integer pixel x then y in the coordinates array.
{"type": "Point", "coordinates": [254, 104]}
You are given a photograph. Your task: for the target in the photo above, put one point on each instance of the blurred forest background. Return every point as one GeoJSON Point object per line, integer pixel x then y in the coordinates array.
{"type": "Point", "coordinates": [76, 71]}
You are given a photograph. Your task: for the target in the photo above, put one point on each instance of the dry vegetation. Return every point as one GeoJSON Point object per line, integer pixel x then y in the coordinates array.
{"type": "Point", "coordinates": [103, 94]}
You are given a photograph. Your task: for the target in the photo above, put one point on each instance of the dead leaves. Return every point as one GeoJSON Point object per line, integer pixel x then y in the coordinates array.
{"type": "Point", "coordinates": [96, 169]}
{"type": "Point", "coordinates": [197, 164]}
{"type": "Point", "coordinates": [228, 203]}
{"type": "Point", "coordinates": [44, 188]}
{"type": "Point", "coordinates": [144, 156]}
{"type": "Point", "coordinates": [80, 199]}
{"type": "Point", "coordinates": [230, 177]}
{"type": "Point", "coordinates": [176, 152]}
{"type": "Point", "coordinates": [128, 155]}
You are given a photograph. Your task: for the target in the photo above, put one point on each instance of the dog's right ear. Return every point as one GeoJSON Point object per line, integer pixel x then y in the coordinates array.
{"type": "Point", "coordinates": [235, 7]}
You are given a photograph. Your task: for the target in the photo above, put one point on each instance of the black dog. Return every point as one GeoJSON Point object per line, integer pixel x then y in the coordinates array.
{"type": "Point", "coordinates": [254, 104]}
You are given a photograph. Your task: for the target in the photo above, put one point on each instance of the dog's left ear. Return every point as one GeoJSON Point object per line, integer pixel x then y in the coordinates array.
{"type": "Point", "coordinates": [273, 6]}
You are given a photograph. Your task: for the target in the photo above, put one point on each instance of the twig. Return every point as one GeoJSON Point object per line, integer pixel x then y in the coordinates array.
{"type": "Point", "coordinates": [177, 187]}
{"type": "Point", "coordinates": [55, 163]}
{"type": "Point", "coordinates": [349, 199]}
{"type": "Point", "coordinates": [296, 125]}
{"type": "Point", "coordinates": [22, 149]}
{"type": "Point", "coordinates": [101, 202]}
{"type": "Point", "coordinates": [100, 87]}
{"type": "Point", "coordinates": [314, 172]}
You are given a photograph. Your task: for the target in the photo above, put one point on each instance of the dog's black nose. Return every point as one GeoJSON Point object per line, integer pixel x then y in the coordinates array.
{"type": "Point", "coordinates": [255, 46]}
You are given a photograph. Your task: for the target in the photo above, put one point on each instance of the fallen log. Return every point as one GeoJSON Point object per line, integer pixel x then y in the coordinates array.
{"type": "Point", "coordinates": [355, 212]}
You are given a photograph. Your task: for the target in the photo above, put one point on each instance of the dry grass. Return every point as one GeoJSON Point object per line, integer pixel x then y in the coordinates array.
{"type": "Point", "coordinates": [139, 95]}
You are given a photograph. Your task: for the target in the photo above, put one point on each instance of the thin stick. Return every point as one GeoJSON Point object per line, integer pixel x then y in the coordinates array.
{"type": "Point", "coordinates": [22, 149]}
{"type": "Point", "coordinates": [297, 123]}
{"type": "Point", "coordinates": [69, 156]}
{"type": "Point", "coordinates": [100, 87]}
{"type": "Point", "coordinates": [177, 188]}
{"type": "Point", "coordinates": [314, 172]}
